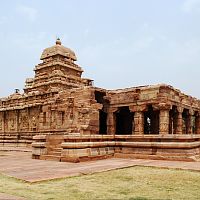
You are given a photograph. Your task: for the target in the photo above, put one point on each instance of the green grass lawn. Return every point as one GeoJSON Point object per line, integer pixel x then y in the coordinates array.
{"type": "Point", "coordinates": [130, 183]}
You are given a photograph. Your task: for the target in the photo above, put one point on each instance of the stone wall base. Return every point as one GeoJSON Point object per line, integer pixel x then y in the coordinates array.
{"type": "Point", "coordinates": [83, 148]}
{"type": "Point", "coordinates": [14, 139]}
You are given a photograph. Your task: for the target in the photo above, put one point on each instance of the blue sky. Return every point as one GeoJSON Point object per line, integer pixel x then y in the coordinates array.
{"type": "Point", "coordinates": [118, 43]}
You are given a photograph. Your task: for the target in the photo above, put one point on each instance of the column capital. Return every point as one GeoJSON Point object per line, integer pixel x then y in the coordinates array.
{"type": "Point", "coordinates": [112, 110]}
{"type": "Point", "coordinates": [180, 109]}
{"type": "Point", "coordinates": [164, 106]}
{"type": "Point", "coordinates": [98, 106]}
{"type": "Point", "coordinates": [191, 112]}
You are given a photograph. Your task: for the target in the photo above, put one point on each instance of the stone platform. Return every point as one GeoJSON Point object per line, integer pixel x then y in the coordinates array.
{"type": "Point", "coordinates": [78, 148]}
{"type": "Point", "coordinates": [21, 166]}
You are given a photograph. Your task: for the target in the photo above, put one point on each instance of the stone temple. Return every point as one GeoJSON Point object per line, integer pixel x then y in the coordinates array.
{"type": "Point", "coordinates": [65, 118]}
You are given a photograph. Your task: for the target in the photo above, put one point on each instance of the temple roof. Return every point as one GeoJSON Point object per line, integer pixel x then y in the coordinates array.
{"type": "Point", "coordinates": [58, 49]}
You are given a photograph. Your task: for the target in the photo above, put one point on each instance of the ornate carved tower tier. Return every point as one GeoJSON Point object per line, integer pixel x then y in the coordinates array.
{"type": "Point", "coordinates": [57, 71]}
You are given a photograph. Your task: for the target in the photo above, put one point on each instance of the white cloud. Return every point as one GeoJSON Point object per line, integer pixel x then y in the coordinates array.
{"type": "Point", "coordinates": [190, 5]}
{"type": "Point", "coordinates": [29, 12]}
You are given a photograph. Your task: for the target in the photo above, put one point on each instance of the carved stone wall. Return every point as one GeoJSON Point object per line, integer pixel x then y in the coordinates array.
{"type": "Point", "coordinates": [58, 100]}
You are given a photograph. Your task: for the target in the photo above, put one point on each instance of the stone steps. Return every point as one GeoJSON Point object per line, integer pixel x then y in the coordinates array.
{"type": "Point", "coordinates": [54, 155]}
{"type": "Point", "coordinates": [50, 157]}
{"type": "Point", "coordinates": [58, 149]}
{"type": "Point", "coordinates": [15, 139]}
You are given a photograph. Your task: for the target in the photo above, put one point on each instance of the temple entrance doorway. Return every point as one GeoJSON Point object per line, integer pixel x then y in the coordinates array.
{"type": "Point", "coordinates": [99, 97]}
{"type": "Point", "coordinates": [102, 122]}
{"type": "Point", "coordinates": [124, 121]}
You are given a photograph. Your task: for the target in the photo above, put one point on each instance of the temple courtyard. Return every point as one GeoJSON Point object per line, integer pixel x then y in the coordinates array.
{"type": "Point", "coordinates": [113, 178]}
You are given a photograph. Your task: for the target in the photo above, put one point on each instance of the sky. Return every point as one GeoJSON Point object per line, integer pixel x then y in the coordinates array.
{"type": "Point", "coordinates": [118, 43]}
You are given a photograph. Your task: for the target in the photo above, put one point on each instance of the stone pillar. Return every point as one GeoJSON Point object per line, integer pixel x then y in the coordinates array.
{"type": "Point", "coordinates": [52, 119]}
{"type": "Point", "coordinates": [17, 120]}
{"type": "Point", "coordinates": [164, 118]}
{"type": "Point", "coordinates": [138, 120]}
{"type": "Point", "coordinates": [111, 121]}
{"type": "Point", "coordinates": [179, 128]}
{"type": "Point", "coordinates": [164, 122]}
{"type": "Point", "coordinates": [190, 122]}
{"type": "Point", "coordinates": [3, 121]}
{"type": "Point", "coordinates": [133, 125]}
{"type": "Point", "coordinates": [139, 123]}
{"type": "Point", "coordinates": [197, 124]}
{"type": "Point", "coordinates": [28, 119]}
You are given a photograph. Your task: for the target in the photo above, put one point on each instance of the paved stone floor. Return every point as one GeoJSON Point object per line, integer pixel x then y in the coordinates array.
{"type": "Point", "coordinates": [20, 165]}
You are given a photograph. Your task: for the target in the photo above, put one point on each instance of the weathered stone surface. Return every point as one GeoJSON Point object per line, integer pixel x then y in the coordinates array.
{"type": "Point", "coordinates": [57, 102]}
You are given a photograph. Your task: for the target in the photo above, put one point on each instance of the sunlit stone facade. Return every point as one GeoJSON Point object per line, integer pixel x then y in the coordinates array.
{"type": "Point", "coordinates": [69, 119]}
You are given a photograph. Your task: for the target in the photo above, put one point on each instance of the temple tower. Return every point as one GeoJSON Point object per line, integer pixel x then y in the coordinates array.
{"type": "Point", "coordinates": [57, 71]}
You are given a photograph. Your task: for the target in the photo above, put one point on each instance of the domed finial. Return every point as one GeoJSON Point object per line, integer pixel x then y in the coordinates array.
{"type": "Point", "coordinates": [58, 42]}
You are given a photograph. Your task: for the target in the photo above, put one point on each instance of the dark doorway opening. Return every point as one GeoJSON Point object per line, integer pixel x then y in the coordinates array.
{"type": "Point", "coordinates": [185, 117]}
{"type": "Point", "coordinates": [102, 122]}
{"type": "Point", "coordinates": [151, 121]}
{"type": "Point", "coordinates": [173, 118]}
{"type": "Point", "coordinates": [124, 121]}
{"type": "Point", "coordinates": [99, 97]}
{"type": "Point", "coordinates": [196, 122]}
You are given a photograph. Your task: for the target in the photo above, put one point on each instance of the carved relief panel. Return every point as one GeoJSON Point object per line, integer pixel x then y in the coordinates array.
{"type": "Point", "coordinates": [12, 124]}
{"type": "Point", "coordinates": [34, 114]}
{"type": "Point", "coordinates": [11, 121]}
{"type": "Point", "coordinates": [23, 120]}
